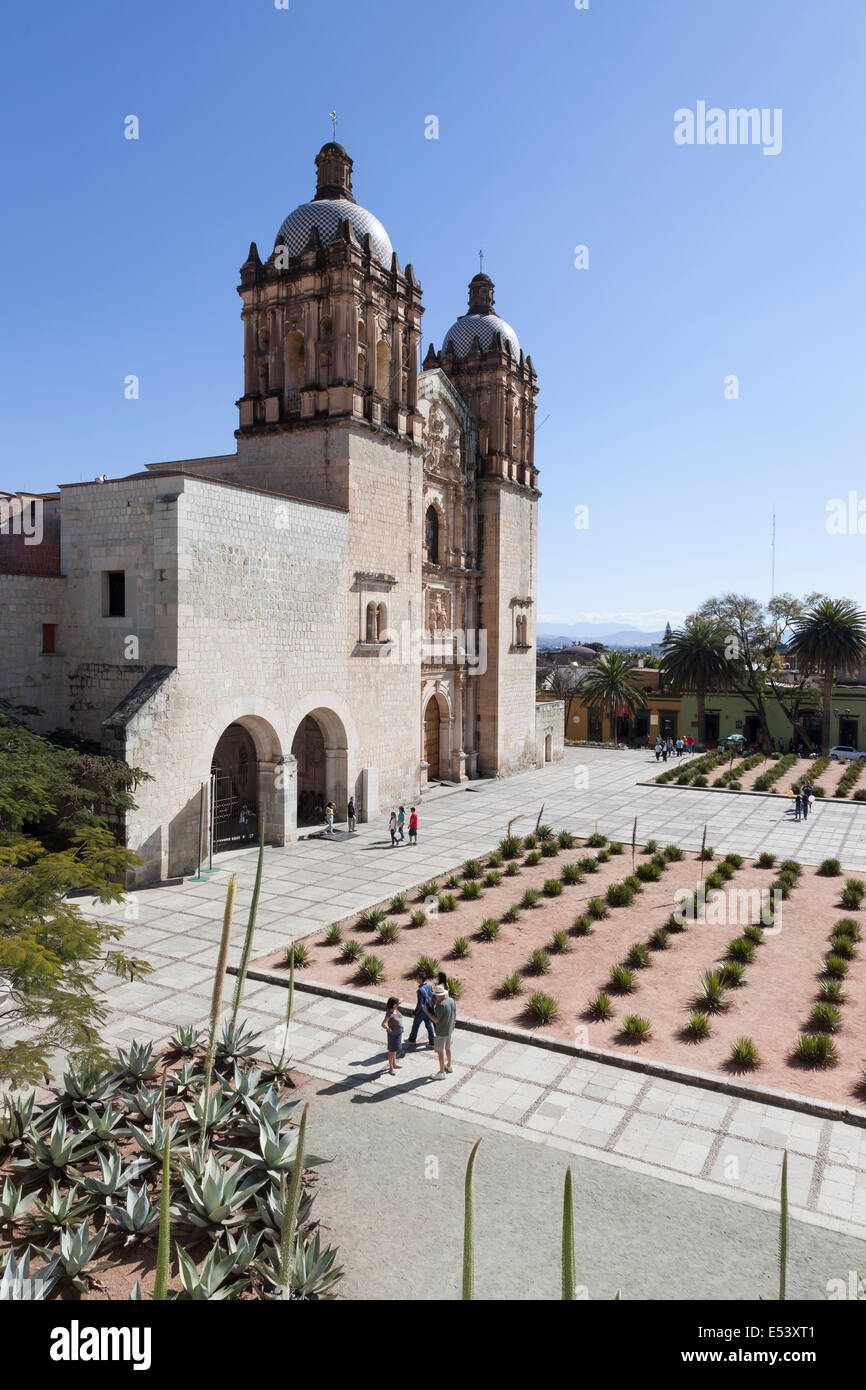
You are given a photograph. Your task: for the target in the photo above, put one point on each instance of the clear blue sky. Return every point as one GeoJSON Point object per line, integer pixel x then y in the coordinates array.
{"type": "Point", "coordinates": [556, 129]}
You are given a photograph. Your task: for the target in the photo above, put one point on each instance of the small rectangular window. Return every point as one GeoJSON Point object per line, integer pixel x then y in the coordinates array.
{"type": "Point", "coordinates": [48, 632]}
{"type": "Point", "coordinates": [115, 594]}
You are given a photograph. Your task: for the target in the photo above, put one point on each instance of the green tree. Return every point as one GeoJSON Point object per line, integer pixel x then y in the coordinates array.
{"type": "Point", "coordinates": [59, 810]}
{"type": "Point", "coordinates": [829, 640]}
{"type": "Point", "coordinates": [610, 681]}
{"type": "Point", "coordinates": [694, 662]}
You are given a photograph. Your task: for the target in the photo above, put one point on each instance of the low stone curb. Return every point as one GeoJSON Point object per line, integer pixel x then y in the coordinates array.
{"type": "Point", "coordinates": [707, 1081]}
{"type": "Point", "coordinates": [777, 796]}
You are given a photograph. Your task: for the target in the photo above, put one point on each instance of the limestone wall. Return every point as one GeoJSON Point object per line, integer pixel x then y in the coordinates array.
{"type": "Point", "coordinates": [29, 676]}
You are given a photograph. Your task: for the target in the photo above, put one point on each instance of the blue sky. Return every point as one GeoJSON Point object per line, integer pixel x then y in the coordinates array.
{"type": "Point", "coordinates": [555, 130]}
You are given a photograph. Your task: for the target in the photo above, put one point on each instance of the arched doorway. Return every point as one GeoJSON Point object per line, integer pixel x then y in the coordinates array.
{"type": "Point", "coordinates": [235, 784]}
{"type": "Point", "coordinates": [432, 721]}
{"type": "Point", "coordinates": [309, 749]}
{"type": "Point", "coordinates": [321, 750]}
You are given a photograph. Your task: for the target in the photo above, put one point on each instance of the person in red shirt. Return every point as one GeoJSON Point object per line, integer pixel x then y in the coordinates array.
{"type": "Point", "coordinates": [413, 826]}
{"type": "Point", "coordinates": [691, 742]}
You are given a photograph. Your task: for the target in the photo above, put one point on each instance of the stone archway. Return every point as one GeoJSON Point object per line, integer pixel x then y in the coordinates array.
{"type": "Point", "coordinates": [321, 752]}
{"type": "Point", "coordinates": [248, 769]}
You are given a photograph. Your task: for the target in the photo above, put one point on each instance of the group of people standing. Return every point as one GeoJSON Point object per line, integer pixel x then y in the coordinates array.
{"type": "Point", "coordinates": [665, 747]}
{"type": "Point", "coordinates": [397, 826]}
{"type": "Point", "coordinates": [436, 1009]}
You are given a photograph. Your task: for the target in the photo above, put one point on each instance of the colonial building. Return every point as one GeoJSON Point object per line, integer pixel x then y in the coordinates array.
{"type": "Point", "coordinates": [344, 606]}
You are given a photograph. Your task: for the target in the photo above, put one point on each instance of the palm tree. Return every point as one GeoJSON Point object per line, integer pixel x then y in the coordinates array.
{"type": "Point", "coordinates": [694, 660]}
{"type": "Point", "coordinates": [830, 638]}
{"type": "Point", "coordinates": [610, 681]}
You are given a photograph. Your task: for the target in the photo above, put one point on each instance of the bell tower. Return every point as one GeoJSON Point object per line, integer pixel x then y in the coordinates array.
{"type": "Point", "coordinates": [331, 322]}
{"type": "Point", "coordinates": [482, 357]}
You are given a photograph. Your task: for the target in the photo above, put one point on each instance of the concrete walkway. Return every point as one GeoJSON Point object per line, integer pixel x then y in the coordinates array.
{"type": "Point", "coordinates": [711, 1154]}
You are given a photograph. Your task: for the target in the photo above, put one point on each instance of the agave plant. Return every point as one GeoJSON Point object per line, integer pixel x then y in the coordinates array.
{"type": "Point", "coordinates": [136, 1062]}
{"type": "Point", "coordinates": [138, 1218]}
{"type": "Point", "coordinates": [270, 1108]}
{"type": "Point", "coordinates": [143, 1102]}
{"type": "Point", "coordinates": [186, 1078]}
{"type": "Point", "coordinates": [314, 1272]}
{"type": "Point", "coordinates": [247, 1085]}
{"type": "Point", "coordinates": [185, 1039]}
{"type": "Point", "coordinates": [107, 1127]}
{"type": "Point", "coordinates": [244, 1247]}
{"type": "Point", "coordinates": [276, 1151]}
{"type": "Point", "coordinates": [217, 1199]}
{"type": "Point", "coordinates": [77, 1250]}
{"type": "Point", "coordinates": [61, 1209]}
{"type": "Point", "coordinates": [18, 1284]}
{"type": "Point", "coordinates": [115, 1175]}
{"type": "Point", "coordinates": [15, 1118]}
{"type": "Point", "coordinates": [271, 1208]}
{"type": "Point", "coordinates": [56, 1153]}
{"type": "Point", "coordinates": [153, 1144]}
{"type": "Point", "coordinates": [13, 1203]}
{"type": "Point", "coordinates": [84, 1083]}
{"type": "Point", "coordinates": [209, 1282]}
{"type": "Point", "coordinates": [236, 1042]}
{"type": "Point", "coordinates": [210, 1109]}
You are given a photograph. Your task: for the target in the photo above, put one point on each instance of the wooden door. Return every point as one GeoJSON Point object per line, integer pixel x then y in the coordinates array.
{"type": "Point", "coordinates": [431, 738]}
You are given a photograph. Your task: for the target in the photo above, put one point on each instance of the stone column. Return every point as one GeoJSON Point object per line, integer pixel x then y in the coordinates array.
{"type": "Point", "coordinates": [278, 799]}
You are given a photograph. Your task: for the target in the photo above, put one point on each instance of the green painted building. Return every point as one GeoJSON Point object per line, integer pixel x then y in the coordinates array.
{"type": "Point", "coordinates": [731, 714]}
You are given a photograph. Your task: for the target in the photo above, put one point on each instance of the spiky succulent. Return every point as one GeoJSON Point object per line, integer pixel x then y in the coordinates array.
{"type": "Point", "coordinates": [14, 1205]}
{"type": "Point", "coordinates": [211, 1281]}
{"type": "Point", "coordinates": [57, 1152]}
{"type": "Point", "coordinates": [136, 1062]}
{"type": "Point", "coordinates": [77, 1251]}
{"type": "Point", "coordinates": [19, 1284]}
{"type": "Point", "coordinates": [60, 1209]}
{"type": "Point", "coordinates": [276, 1151]}
{"type": "Point", "coordinates": [116, 1175]}
{"type": "Point", "coordinates": [218, 1198]}
{"type": "Point", "coordinates": [236, 1042]}
{"type": "Point", "coordinates": [314, 1271]}
{"type": "Point", "coordinates": [139, 1217]}
{"type": "Point", "coordinates": [185, 1039]}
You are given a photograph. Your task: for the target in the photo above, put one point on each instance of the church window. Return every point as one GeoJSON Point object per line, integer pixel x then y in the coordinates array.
{"type": "Point", "coordinates": [381, 622]}
{"type": "Point", "coordinates": [371, 634]}
{"type": "Point", "coordinates": [48, 637]}
{"type": "Point", "coordinates": [431, 535]}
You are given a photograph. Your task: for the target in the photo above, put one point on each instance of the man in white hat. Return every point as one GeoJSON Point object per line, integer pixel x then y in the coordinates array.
{"type": "Point", "coordinates": [445, 1014]}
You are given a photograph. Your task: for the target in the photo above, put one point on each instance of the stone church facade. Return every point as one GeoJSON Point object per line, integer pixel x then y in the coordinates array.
{"type": "Point", "coordinates": [345, 606]}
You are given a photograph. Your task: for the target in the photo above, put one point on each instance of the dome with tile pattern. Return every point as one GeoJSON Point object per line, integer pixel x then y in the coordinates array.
{"type": "Point", "coordinates": [332, 204]}
{"type": "Point", "coordinates": [481, 322]}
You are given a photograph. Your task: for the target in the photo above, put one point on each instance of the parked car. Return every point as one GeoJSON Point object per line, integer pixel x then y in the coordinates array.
{"type": "Point", "coordinates": [845, 751]}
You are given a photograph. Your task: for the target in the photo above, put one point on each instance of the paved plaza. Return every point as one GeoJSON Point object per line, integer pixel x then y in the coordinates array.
{"type": "Point", "coordinates": [715, 1147]}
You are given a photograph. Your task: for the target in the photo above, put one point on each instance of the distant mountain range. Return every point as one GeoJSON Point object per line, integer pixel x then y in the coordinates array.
{"type": "Point", "coordinates": [568, 635]}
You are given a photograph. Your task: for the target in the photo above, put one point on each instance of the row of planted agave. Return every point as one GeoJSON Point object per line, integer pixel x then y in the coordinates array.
{"type": "Point", "coordinates": [195, 1146]}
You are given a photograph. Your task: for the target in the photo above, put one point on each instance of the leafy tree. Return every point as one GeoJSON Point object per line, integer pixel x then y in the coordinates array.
{"type": "Point", "coordinates": [611, 681]}
{"type": "Point", "coordinates": [830, 639]}
{"type": "Point", "coordinates": [59, 811]}
{"type": "Point", "coordinates": [596, 646]}
{"type": "Point", "coordinates": [694, 661]}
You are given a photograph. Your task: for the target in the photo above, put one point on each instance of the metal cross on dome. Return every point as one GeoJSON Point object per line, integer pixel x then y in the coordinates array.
{"type": "Point", "coordinates": [334, 119]}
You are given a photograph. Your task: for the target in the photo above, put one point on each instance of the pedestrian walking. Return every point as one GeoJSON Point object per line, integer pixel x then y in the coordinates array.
{"type": "Point", "coordinates": [413, 826]}
{"type": "Point", "coordinates": [658, 749]}
{"type": "Point", "coordinates": [444, 1018]}
{"type": "Point", "coordinates": [690, 743]}
{"type": "Point", "coordinates": [679, 748]}
{"type": "Point", "coordinates": [798, 804]}
{"type": "Point", "coordinates": [330, 812]}
{"type": "Point", "coordinates": [244, 823]}
{"type": "Point", "coordinates": [401, 818]}
{"type": "Point", "coordinates": [350, 815]}
{"type": "Point", "coordinates": [423, 1011]}
{"type": "Point", "coordinates": [393, 1025]}
{"type": "Point", "coordinates": [392, 826]}
{"type": "Point", "coordinates": [806, 800]}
